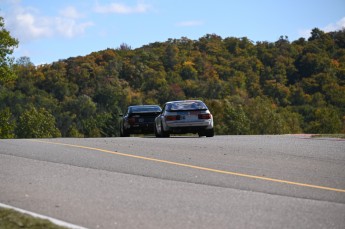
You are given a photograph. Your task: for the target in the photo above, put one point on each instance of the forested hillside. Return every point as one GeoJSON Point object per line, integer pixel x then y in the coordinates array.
{"type": "Point", "coordinates": [251, 88]}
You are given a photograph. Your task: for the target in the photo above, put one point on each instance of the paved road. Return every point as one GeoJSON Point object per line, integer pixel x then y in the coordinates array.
{"type": "Point", "coordinates": [179, 182]}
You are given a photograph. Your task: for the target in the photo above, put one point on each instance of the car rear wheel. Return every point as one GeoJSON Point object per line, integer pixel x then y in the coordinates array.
{"type": "Point", "coordinates": [164, 134]}
{"type": "Point", "coordinates": [156, 132]}
{"type": "Point", "coordinates": [123, 132]}
{"type": "Point", "coordinates": [201, 134]}
{"type": "Point", "coordinates": [209, 133]}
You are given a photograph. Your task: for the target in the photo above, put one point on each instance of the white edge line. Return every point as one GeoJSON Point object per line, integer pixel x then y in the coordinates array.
{"type": "Point", "coordinates": [55, 221]}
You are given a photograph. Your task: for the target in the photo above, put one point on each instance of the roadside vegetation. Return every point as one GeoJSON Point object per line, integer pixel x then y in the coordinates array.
{"type": "Point", "coordinates": [10, 219]}
{"type": "Point", "coordinates": [261, 87]}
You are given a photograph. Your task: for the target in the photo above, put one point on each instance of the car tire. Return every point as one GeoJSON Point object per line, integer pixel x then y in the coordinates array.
{"type": "Point", "coordinates": [209, 133]}
{"type": "Point", "coordinates": [201, 134]}
{"type": "Point", "coordinates": [156, 133]}
{"type": "Point", "coordinates": [123, 132]}
{"type": "Point", "coordinates": [164, 134]}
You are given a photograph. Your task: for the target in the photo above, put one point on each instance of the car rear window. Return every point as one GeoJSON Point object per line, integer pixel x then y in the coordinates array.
{"type": "Point", "coordinates": [144, 109]}
{"type": "Point", "coordinates": [187, 105]}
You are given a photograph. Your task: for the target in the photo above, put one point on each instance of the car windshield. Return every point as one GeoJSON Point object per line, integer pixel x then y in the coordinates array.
{"type": "Point", "coordinates": [144, 109]}
{"type": "Point", "coordinates": [187, 105]}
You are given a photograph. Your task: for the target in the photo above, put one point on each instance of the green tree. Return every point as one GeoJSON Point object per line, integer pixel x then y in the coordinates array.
{"type": "Point", "coordinates": [110, 124]}
{"type": "Point", "coordinates": [82, 111]}
{"type": "Point", "coordinates": [24, 61]}
{"type": "Point", "coordinates": [188, 71]}
{"type": "Point", "coordinates": [7, 44]}
{"type": "Point", "coordinates": [154, 80]}
{"type": "Point", "coordinates": [236, 120]}
{"type": "Point", "coordinates": [272, 87]}
{"type": "Point", "coordinates": [65, 121]}
{"type": "Point", "coordinates": [291, 120]}
{"type": "Point", "coordinates": [263, 116]}
{"type": "Point", "coordinates": [74, 132]}
{"type": "Point", "coordinates": [90, 127]}
{"type": "Point", "coordinates": [7, 125]}
{"type": "Point", "coordinates": [326, 121]}
{"type": "Point", "coordinates": [108, 97]}
{"type": "Point", "coordinates": [35, 123]}
{"type": "Point", "coordinates": [170, 59]}
{"type": "Point", "coordinates": [83, 107]}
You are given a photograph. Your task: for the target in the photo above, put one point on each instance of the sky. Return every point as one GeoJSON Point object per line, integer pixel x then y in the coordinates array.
{"type": "Point", "coordinates": [52, 30]}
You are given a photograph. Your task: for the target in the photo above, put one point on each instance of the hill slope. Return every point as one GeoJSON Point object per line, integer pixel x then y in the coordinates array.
{"type": "Point", "coordinates": [251, 88]}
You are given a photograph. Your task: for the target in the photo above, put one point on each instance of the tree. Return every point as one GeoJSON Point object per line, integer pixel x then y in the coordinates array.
{"type": "Point", "coordinates": [7, 125]}
{"type": "Point", "coordinates": [292, 121]}
{"type": "Point", "coordinates": [188, 71]}
{"type": "Point", "coordinates": [7, 44]}
{"type": "Point", "coordinates": [24, 61]}
{"type": "Point", "coordinates": [251, 88]}
{"type": "Point", "coordinates": [83, 107]}
{"type": "Point", "coordinates": [326, 121]}
{"type": "Point", "coordinates": [170, 58]}
{"type": "Point", "coordinates": [263, 116]}
{"type": "Point", "coordinates": [236, 120]}
{"type": "Point", "coordinates": [154, 80]}
{"type": "Point", "coordinates": [35, 123]}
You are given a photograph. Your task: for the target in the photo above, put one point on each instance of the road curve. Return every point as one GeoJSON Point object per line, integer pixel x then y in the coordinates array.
{"type": "Point", "coordinates": [179, 182]}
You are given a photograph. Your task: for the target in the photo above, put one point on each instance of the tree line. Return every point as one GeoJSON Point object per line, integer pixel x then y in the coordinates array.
{"type": "Point", "coordinates": [251, 88]}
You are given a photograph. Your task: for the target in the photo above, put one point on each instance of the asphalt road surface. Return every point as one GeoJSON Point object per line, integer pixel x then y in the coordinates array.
{"type": "Point", "coordinates": [179, 182]}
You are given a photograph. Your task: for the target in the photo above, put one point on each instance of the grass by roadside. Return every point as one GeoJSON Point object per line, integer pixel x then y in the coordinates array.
{"type": "Point", "coordinates": [328, 135]}
{"type": "Point", "coordinates": [10, 219]}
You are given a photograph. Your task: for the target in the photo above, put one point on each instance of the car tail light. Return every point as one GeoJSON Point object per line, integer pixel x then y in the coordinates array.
{"type": "Point", "coordinates": [131, 120]}
{"type": "Point", "coordinates": [172, 117]}
{"type": "Point", "coordinates": [204, 116]}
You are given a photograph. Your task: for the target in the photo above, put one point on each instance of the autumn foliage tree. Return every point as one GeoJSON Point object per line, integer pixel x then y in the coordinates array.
{"type": "Point", "coordinates": [35, 123]}
{"type": "Point", "coordinates": [7, 44]}
{"type": "Point", "coordinates": [251, 88]}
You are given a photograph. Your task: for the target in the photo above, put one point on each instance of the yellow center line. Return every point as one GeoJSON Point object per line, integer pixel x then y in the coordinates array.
{"type": "Point", "coordinates": [197, 167]}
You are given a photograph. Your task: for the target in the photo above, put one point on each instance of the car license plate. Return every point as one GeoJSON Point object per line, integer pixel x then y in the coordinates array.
{"type": "Point", "coordinates": [189, 117]}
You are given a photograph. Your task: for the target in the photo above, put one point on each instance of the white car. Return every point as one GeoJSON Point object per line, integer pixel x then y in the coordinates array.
{"type": "Point", "coordinates": [186, 116]}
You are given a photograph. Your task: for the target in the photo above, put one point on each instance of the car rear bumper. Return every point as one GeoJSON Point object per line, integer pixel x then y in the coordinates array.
{"type": "Point", "coordinates": [142, 128]}
{"type": "Point", "coordinates": [188, 127]}
{"type": "Point", "coordinates": [181, 124]}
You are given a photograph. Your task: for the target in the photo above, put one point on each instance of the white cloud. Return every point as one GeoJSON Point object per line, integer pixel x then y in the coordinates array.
{"type": "Point", "coordinates": [335, 26]}
{"type": "Point", "coordinates": [26, 23]}
{"type": "Point", "coordinates": [119, 8]}
{"type": "Point", "coordinates": [66, 24]}
{"type": "Point", "coordinates": [69, 27]}
{"type": "Point", "coordinates": [189, 23]}
{"type": "Point", "coordinates": [71, 12]}
{"type": "Point", "coordinates": [329, 28]}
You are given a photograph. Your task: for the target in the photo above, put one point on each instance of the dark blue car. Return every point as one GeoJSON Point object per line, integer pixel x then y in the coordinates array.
{"type": "Point", "coordinates": [139, 119]}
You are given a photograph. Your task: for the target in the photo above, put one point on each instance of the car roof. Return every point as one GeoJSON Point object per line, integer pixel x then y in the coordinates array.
{"type": "Point", "coordinates": [144, 106]}
{"type": "Point", "coordinates": [184, 101]}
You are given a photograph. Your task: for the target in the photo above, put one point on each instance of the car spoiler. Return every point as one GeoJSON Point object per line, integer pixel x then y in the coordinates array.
{"type": "Point", "coordinates": [172, 110]}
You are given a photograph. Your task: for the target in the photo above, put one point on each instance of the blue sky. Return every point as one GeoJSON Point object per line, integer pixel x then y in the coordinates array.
{"type": "Point", "coordinates": [52, 30]}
